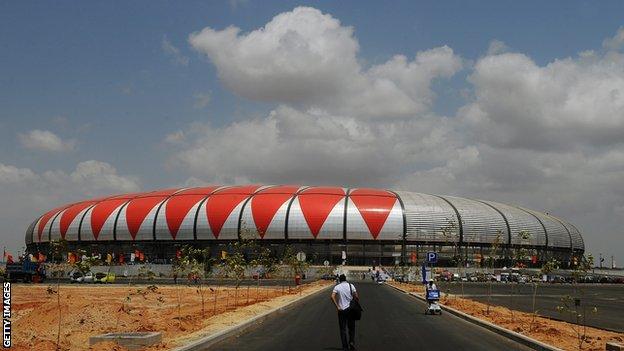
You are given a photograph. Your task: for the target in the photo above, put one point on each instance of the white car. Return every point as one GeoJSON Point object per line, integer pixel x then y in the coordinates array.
{"type": "Point", "coordinates": [79, 277]}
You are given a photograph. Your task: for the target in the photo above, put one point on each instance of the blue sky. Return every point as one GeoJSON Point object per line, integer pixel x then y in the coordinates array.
{"type": "Point", "coordinates": [112, 80]}
{"type": "Point", "coordinates": [73, 60]}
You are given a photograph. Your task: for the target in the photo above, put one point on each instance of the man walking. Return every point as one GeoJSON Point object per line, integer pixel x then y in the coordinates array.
{"type": "Point", "coordinates": [342, 295]}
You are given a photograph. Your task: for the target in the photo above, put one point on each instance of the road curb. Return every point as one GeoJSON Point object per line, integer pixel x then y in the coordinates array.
{"type": "Point", "coordinates": [210, 340]}
{"type": "Point", "coordinates": [517, 337]}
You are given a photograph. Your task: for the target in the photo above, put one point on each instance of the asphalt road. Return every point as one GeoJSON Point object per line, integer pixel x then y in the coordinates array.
{"type": "Point", "coordinates": [607, 298]}
{"type": "Point", "coordinates": [391, 321]}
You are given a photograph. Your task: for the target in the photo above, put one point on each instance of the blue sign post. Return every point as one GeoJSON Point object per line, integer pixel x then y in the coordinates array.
{"type": "Point", "coordinates": [432, 257]}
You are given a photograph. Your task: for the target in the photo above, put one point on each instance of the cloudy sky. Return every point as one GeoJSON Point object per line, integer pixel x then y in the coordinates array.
{"type": "Point", "coordinates": [517, 102]}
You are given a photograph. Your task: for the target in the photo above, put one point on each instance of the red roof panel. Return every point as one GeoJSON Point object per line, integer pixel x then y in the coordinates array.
{"type": "Point", "coordinates": [138, 209]}
{"type": "Point", "coordinates": [374, 210]}
{"type": "Point", "coordinates": [265, 204]}
{"type": "Point", "coordinates": [316, 207]}
{"type": "Point", "coordinates": [70, 213]}
{"type": "Point", "coordinates": [219, 207]}
{"type": "Point", "coordinates": [102, 211]}
{"type": "Point", "coordinates": [324, 190]}
{"type": "Point", "coordinates": [46, 218]}
{"type": "Point", "coordinates": [176, 210]}
{"type": "Point", "coordinates": [371, 192]}
{"type": "Point", "coordinates": [281, 189]}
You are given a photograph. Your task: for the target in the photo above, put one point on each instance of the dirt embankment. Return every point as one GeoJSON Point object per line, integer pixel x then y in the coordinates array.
{"type": "Point", "coordinates": [560, 334]}
{"type": "Point", "coordinates": [177, 312]}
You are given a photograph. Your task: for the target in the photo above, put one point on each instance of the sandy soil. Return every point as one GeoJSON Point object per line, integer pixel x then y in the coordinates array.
{"type": "Point", "coordinates": [177, 312]}
{"type": "Point", "coordinates": [415, 288]}
{"type": "Point", "coordinates": [560, 334]}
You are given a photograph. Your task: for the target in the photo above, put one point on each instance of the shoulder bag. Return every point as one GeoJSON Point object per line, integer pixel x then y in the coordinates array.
{"type": "Point", "coordinates": [355, 309]}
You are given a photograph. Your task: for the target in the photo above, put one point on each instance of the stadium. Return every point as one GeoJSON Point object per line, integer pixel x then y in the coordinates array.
{"type": "Point", "coordinates": [362, 226]}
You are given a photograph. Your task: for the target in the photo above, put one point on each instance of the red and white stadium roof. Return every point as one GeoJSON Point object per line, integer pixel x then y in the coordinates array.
{"type": "Point", "coordinates": [280, 212]}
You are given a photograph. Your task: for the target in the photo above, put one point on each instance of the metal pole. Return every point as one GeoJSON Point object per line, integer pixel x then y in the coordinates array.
{"type": "Point", "coordinates": [600, 260]}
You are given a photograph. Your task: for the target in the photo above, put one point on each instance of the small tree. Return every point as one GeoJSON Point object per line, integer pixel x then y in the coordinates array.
{"type": "Point", "coordinates": [402, 269]}
{"type": "Point", "coordinates": [198, 264]}
{"type": "Point", "coordinates": [327, 270]}
{"type": "Point", "coordinates": [206, 266]}
{"type": "Point", "coordinates": [267, 260]}
{"type": "Point", "coordinates": [143, 292]}
{"type": "Point", "coordinates": [547, 268]}
{"type": "Point", "coordinates": [234, 264]}
{"type": "Point", "coordinates": [145, 272]}
{"type": "Point", "coordinates": [83, 263]}
{"type": "Point", "coordinates": [490, 262]}
{"type": "Point", "coordinates": [572, 304]}
{"type": "Point", "coordinates": [450, 235]}
{"type": "Point", "coordinates": [177, 270]}
{"type": "Point", "coordinates": [296, 267]}
{"type": "Point", "coordinates": [518, 255]}
{"type": "Point", "coordinates": [241, 255]}
{"type": "Point", "coordinates": [58, 252]}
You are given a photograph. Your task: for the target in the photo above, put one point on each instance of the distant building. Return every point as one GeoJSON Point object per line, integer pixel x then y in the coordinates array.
{"type": "Point", "coordinates": [373, 226]}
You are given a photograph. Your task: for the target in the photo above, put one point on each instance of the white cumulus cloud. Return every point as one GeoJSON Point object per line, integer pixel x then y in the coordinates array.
{"type": "Point", "coordinates": [313, 147]}
{"type": "Point", "coordinates": [45, 140]}
{"type": "Point", "coordinates": [32, 193]}
{"type": "Point", "coordinates": [567, 102]}
{"type": "Point", "coordinates": [309, 59]}
{"type": "Point", "coordinates": [616, 42]}
{"type": "Point", "coordinates": [10, 174]}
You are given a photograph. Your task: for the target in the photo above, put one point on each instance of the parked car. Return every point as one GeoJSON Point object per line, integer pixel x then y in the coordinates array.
{"type": "Point", "coordinates": [399, 278]}
{"type": "Point", "coordinates": [443, 278]}
{"type": "Point", "coordinates": [618, 280]}
{"type": "Point", "coordinates": [328, 277]}
{"type": "Point", "coordinates": [505, 277]}
{"type": "Point", "coordinates": [79, 277]}
{"type": "Point", "coordinates": [102, 277]}
{"type": "Point", "coordinates": [258, 275]}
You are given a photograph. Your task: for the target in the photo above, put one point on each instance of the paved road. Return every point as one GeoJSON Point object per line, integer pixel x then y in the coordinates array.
{"type": "Point", "coordinates": [607, 298]}
{"type": "Point", "coordinates": [391, 321]}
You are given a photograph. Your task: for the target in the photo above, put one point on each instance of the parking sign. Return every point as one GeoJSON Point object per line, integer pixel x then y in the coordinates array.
{"type": "Point", "coordinates": [432, 257]}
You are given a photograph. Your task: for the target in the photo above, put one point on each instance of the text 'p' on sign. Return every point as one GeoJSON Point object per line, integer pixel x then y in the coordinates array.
{"type": "Point", "coordinates": [432, 257]}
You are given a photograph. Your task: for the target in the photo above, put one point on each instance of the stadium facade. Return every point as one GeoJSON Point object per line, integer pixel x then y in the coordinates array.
{"type": "Point", "coordinates": [371, 226]}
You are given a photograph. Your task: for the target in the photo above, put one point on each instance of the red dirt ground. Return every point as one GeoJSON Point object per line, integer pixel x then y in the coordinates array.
{"type": "Point", "coordinates": [88, 310]}
{"type": "Point", "coordinates": [560, 334]}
